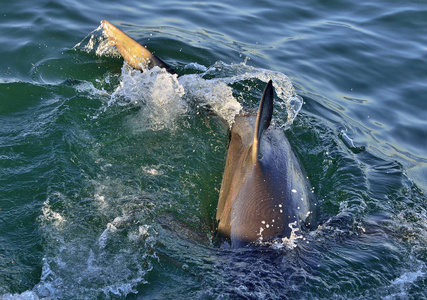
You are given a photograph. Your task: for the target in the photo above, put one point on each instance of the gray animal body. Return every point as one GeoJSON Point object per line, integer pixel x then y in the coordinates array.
{"type": "Point", "coordinates": [264, 193]}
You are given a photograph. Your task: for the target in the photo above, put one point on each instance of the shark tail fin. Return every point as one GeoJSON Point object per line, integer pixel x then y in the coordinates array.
{"type": "Point", "coordinates": [136, 55]}
{"type": "Point", "coordinates": [265, 112]}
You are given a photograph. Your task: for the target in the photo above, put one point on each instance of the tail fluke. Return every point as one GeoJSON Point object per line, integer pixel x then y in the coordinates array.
{"type": "Point", "coordinates": [136, 55]}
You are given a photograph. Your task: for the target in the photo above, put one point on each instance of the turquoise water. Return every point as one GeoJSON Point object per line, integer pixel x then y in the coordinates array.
{"type": "Point", "coordinates": [109, 179]}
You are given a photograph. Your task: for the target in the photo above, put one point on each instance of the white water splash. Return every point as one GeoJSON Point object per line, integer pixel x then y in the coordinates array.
{"type": "Point", "coordinates": [287, 97]}
{"type": "Point", "coordinates": [158, 93]}
{"type": "Point", "coordinates": [82, 258]}
{"type": "Point", "coordinates": [402, 283]}
{"type": "Point", "coordinates": [118, 222]}
{"type": "Point", "coordinates": [51, 216]}
{"type": "Point", "coordinates": [97, 42]}
{"type": "Point", "coordinates": [164, 97]}
{"type": "Point", "coordinates": [215, 94]}
{"type": "Point", "coordinates": [28, 295]}
{"type": "Point", "coordinates": [287, 242]}
{"type": "Point", "coordinates": [280, 243]}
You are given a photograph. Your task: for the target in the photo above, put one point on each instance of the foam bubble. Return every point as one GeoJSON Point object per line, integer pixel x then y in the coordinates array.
{"type": "Point", "coordinates": [84, 260]}
{"type": "Point", "coordinates": [402, 283]}
{"type": "Point", "coordinates": [158, 93]}
{"type": "Point", "coordinates": [288, 243]}
{"type": "Point", "coordinates": [408, 277]}
{"type": "Point", "coordinates": [152, 171]}
{"type": "Point", "coordinates": [215, 94]}
{"type": "Point", "coordinates": [28, 295]}
{"type": "Point", "coordinates": [51, 216]}
{"type": "Point", "coordinates": [196, 66]}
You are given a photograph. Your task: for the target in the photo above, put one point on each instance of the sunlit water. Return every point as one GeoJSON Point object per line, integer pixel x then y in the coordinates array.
{"type": "Point", "coordinates": [110, 177]}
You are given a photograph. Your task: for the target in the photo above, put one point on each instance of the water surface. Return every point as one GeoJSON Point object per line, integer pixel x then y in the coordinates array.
{"type": "Point", "coordinates": [109, 178]}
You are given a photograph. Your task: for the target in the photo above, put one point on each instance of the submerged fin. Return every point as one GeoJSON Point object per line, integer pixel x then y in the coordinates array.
{"type": "Point", "coordinates": [265, 112]}
{"type": "Point", "coordinates": [136, 55]}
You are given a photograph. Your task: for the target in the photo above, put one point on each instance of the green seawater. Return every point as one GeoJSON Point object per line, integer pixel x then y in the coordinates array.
{"type": "Point", "coordinates": [109, 178]}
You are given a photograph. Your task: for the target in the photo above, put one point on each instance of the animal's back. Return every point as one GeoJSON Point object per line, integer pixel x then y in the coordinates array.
{"type": "Point", "coordinates": [238, 151]}
{"type": "Point", "coordinates": [264, 192]}
{"type": "Point", "coordinates": [263, 200]}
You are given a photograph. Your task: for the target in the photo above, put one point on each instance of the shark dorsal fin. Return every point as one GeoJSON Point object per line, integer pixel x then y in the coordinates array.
{"type": "Point", "coordinates": [265, 112]}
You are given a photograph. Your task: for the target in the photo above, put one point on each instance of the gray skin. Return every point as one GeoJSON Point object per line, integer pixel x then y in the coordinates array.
{"type": "Point", "coordinates": [264, 191]}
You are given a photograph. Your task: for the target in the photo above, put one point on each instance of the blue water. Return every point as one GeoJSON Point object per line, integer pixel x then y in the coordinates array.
{"type": "Point", "coordinates": [109, 178]}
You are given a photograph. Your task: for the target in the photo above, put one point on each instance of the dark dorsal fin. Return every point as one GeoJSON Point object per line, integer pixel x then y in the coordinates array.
{"type": "Point", "coordinates": [265, 112]}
